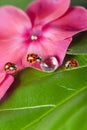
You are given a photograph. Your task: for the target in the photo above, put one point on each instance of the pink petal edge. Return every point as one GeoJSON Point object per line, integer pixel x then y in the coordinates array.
{"type": "Point", "coordinates": [71, 23]}
{"type": "Point", "coordinates": [44, 11]}
{"type": "Point", "coordinates": [2, 77]}
{"type": "Point", "coordinates": [13, 22]}
{"type": "Point", "coordinates": [5, 84]}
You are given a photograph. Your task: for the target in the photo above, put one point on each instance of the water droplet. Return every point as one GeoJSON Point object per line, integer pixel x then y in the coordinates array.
{"type": "Point", "coordinates": [50, 64]}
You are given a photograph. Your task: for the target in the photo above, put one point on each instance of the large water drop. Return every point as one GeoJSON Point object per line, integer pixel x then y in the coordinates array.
{"type": "Point", "coordinates": [50, 64]}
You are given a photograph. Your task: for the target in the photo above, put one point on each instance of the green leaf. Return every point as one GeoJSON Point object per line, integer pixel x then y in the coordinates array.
{"type": "Point", "coordinates": [81, 59]}
{"type": "Point", "coordinates": [19, 3]}
{"type": "Point", "coordinates": [79, 2]}
{"type": "Point", "coordinates": [78, 45]}
{"type": "Point", "coordinates": [34, 98]}
{"type": "Point", "coordinates": [72, 115]}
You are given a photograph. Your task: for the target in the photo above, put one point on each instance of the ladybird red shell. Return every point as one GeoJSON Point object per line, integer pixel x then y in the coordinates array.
{"type": "Point", "coordinates": [10, 67]}
{"type": "Point", "coordinates": [71, 63]}
{"type": "Point", "coordinates": [33, 58]}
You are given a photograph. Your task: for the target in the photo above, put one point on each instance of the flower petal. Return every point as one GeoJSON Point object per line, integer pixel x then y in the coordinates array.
{"type": "Point", "coordinates": [11, 51]}
{"type": "Point", "coordinates": [2, 76]}
{"type": "Point", "coordinates": [13, 22]}
{"type": "Point", "coordinates": [5, 84]}
{"type": "Point", "coordinates": [44, 11]}
{"type": "Point", "coordinates": [72, 22]}
{"type": "Point", "coordinates": [45, 48]}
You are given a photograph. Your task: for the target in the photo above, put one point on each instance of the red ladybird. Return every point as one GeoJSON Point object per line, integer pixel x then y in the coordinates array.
{"type": "Point", "coordinates": [10, 67]}
{"type": "Point", "coordinates": [71, 63]}
{"type": "Point", "coordinates": [33, 58]}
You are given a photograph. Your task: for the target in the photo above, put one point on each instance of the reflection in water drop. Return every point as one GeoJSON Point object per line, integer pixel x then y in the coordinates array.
{"type": "Point", "coordinates": [50, 64]}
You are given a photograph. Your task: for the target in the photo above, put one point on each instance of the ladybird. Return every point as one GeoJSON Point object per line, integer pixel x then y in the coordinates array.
{"type": "Point", "coordinates": [33, 58]}
{"type": "Point", "coordinates": [71, 63]}
{"type": "Point", "coordinates": [10, 67]}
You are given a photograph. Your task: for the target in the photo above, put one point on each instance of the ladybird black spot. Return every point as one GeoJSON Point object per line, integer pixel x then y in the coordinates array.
{"type": "Point", "coordinates": [30, 61]}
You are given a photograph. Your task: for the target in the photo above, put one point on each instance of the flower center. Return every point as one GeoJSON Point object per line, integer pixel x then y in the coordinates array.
{"type": "Point", "coordinates": [34, 37]}
{"type": "Point", "coordinates": [36, 33]}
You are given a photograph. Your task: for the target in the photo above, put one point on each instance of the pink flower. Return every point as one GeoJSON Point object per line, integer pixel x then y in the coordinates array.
{"type": "Point", "coordinates": [41, 36]}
